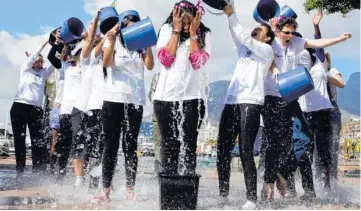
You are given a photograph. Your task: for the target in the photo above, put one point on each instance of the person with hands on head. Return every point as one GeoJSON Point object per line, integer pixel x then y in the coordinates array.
{"type": "Point", "coordinates": [183, 49]}
{"type": "Point", "coordinates": [244, 100]}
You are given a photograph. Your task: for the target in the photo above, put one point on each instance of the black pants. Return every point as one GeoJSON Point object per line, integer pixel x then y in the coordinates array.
{"type": "Point", "coordinates": [320, 137]}
{"type": "Point", "coordinates": [95, 144]}
{"type": "Point", "coordinates": [63, 146]}
{"type": "Point", "coordinates": [279, 154]}
{"type": "Point", "coordinates": [21, 115]}
{"type": "Point", "coordinates": [242, 120]}
{"type": "Point", "coordinates": [179, 122]}
{"type": "Point", "coordinates": [306, 160]}
{"type": "Point", "coordinates": [78, 122]}
{"type": "Point", "coordinates": [120, 119]}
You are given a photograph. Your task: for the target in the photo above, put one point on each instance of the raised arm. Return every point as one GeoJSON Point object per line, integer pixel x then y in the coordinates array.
{"type": "Point", "coordinates": [32, 58]}
{"type": "Point", "coordinates": [99, 47]}
{"type": "Point", "coordinates": [172, 45]}
{"type": "Point", "coordinates": [148, 58]}
{"type": "Point", "coordinates": [169, 38]}
{"type": "Point", "coordinates": [323, 43]}
{"type": "Point", "coordinates": [90, 37]}
{"type": "Point", "coordinates": [56, 62]}
{"type": "Point", "coordinates": [262, 50]}
{"type": "Point", "coordinates": [320, 52]}
{"type": "Point", "coordinates": [109, 45]}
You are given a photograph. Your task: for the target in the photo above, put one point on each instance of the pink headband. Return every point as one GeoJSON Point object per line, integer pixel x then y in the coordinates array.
{"type": "Point", "coordinates": [198, 6]}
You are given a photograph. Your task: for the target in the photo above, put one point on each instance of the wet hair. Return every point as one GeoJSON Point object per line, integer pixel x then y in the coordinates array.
{"type": "Point", "coordinates": [311, 51]}
{"type": "Point", "coordinates": [189, 7]}
{"type": "Point", "coordinates": [77, 53]}
{"type": "Point", "coordinates": [269, 34]}
{"type": "Point", "coordinates": [124, 23]}
{"type": "Point", "coordinates": [288, 21]}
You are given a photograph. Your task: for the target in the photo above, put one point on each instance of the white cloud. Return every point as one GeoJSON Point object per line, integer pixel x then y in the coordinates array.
{"type": "Point", "coordinates": [223, 57]}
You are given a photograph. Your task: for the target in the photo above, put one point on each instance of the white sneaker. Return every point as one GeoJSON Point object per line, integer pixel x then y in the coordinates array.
{"type": "Point", "coordinates": [249, 205]}
{"type": "Point", "coordinates": [79, 182]}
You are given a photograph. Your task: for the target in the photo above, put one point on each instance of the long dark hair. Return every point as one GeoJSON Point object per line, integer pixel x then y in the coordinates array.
{"type": "Point", "coordinates": [124, 23]}
{"type": "Point", "coordinates": [189, 7]}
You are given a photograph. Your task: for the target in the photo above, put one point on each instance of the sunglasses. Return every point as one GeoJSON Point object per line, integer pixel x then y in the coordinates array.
{"type": "Point", "coordinates": [288, 32]}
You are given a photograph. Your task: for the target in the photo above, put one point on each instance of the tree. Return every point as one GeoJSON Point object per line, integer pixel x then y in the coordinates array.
{"type": "Point", "coordinates": [332, 6]}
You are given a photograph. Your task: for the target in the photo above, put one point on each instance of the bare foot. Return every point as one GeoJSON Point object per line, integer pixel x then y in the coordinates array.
{"type": "Point", "coordinates": [129, 194]}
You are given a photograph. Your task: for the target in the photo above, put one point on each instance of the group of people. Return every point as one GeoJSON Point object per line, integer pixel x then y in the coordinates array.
{"type": "Point", "coordinates": [100, 96]}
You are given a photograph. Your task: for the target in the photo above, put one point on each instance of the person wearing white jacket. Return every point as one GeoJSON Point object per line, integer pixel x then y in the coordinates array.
{"type": "Point", "coordinates": [27, 111]}
{"type": "Point", "coordinates": [244, 99]}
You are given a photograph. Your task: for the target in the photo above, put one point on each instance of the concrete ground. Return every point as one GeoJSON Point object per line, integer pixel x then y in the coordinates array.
{"type": "Point", "coordinates": [41, 192]}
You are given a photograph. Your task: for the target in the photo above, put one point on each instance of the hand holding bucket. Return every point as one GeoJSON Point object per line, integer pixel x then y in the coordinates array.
{"type": "Point", "coordinates": [218, 5]}
{"type": "Point", "coordinates": [139, 35]}
{"type": "Point", "coordinates": [72, 29]}
{"type": "Point", "coordinates": [294, 83]}
{"type": "Point", "coordinates": [108, 18]}
{"type": "Point", "coordinates": [265, 10]}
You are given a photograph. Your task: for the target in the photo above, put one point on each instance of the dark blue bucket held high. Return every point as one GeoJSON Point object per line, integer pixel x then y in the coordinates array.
{"type": "Point", "coordinates": [294, 83]}
{"type": "Point", "coordinates": [217, 4]}
{"type": "Point", "coordinates": [140, 35]}
{"type": "Point", "coordinates": [287, 12]}
{"type": "Point", "coordinates": [108, 18]}
{"type": "Point", "coordinates": [72, 29]}
{"type": "Point", "coordinates": [265, 10]}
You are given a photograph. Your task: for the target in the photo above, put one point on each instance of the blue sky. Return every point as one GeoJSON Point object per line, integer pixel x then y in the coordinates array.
{"type": "Point", "coordinates": [17, 17]}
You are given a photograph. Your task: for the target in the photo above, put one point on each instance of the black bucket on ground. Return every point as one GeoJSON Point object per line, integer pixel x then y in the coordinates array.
{"type": "Point", "coordinates": [178, 192]}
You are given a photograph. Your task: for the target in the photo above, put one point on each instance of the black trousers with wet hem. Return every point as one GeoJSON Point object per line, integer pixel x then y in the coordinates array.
{"type": "Point", "coordinates": [179, 121]}
{"type": "Point", "coordinates": [278, 144]}
{"type": "Point", "coordinates": [95, 143]}
{"type": "Point", "coordinates": [120, 119]}
{"type": "Point", "coordinates": [78, 121]}
{"type": "Point", "coordinates": [63, 146]}
{"type": "Point", "coordinates": [22, 114]}
{"type": "Point", "coordinates": [242, 120]}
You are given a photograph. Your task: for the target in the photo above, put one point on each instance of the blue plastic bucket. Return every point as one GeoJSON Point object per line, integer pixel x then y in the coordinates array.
{"type": "Point", "coordinates": [108, 18]}
{"type": "Point", "coordinates": [124, 14]}
{"type": "Point", "coordinates": [265, 10]}
{"type": "Point", "coordinates": [72, 29]}
{"type": "Point", "coordinates": [140, 35]}
{"type": "Point", "coordinates": [217, 4]}
{"type": "Point", "coordinates": [294, 83]}
{"type": "Point", "coordinates": [287, 12]}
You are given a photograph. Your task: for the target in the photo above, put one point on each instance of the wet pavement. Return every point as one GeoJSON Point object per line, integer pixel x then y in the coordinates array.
{"type": "Point", "coordinates": [42, 192]}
